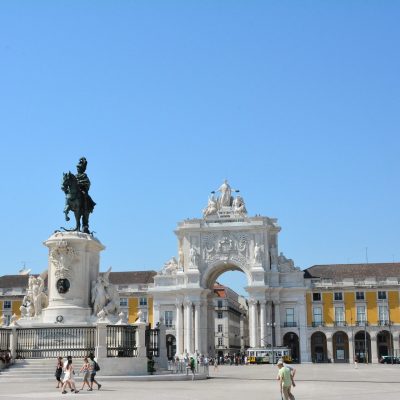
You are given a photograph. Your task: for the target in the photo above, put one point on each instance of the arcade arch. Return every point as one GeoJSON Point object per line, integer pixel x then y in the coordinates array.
{"type": "Point", "coordinates": [362, 346]}
{"type": "Point", "coordinates": [318, 347]}
{"type": "Point", "coordinates": [291, 340]}
{"type": "Point", "coordinates": [384, 343]}
{"type": "Point", "coordinates": [340, 343]}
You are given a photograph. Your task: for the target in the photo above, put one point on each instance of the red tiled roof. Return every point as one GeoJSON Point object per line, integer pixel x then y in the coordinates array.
{"type": "Point", "coordinates": [359, 271]}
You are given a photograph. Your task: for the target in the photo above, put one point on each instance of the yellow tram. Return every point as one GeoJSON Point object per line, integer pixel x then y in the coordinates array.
{"type": "Point", "coordinates": [270, 355]}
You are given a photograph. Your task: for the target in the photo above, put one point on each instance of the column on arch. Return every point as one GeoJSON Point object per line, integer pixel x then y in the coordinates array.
{"type": "Point", "coordinates": [263, 317]}
{"type": "Point", "coordinates": [197, 329]}
{"type": "Point", "coordinates": [253, 322]}
{"type": "Point", "coordinates": [278, 335]}
{"type": "Point", "coordinates": [179, 328]}
{"type": "Point", "coordinates": [189, 327]}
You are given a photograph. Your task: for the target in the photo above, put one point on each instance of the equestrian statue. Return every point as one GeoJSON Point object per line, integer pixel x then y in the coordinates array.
{"type": "Point", "coordinates": [77, 199]}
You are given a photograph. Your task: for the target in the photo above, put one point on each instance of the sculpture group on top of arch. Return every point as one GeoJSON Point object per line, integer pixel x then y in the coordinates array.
{"type": "Point", "coordinates": [225, 202]}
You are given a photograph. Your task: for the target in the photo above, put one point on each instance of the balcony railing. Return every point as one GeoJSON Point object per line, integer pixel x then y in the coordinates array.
{"type": "Point", "coordinates": [384, 322]}
{"type": "Point", "coordinates": [317, 323]}
{"type": "Point", "coordinates": [340, 323]}
{"type": "Point", "coordinates": [362, 323]}
{"type": "Point", "coordinates": [290, 324]}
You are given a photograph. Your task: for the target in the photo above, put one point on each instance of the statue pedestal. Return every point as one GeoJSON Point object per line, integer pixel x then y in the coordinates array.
{"type": "Point", "coordinates": [73, 265]}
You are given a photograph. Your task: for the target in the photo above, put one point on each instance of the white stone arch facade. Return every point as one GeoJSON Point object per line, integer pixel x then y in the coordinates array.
{"type": "Point", "coordinates": [226, 238]}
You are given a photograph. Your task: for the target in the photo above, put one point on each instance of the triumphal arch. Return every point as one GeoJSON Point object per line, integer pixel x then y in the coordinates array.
{"type": "Point", "coordinates": [226, 238]}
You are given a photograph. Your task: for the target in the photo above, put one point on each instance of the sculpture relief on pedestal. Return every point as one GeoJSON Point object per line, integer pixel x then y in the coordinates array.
{"type": "Point", "coordinates": [104, 296]}
{"type": "Point", "coordinates": [62, 257]}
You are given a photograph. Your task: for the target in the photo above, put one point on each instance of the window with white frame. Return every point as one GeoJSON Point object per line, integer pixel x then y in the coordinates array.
{"type": "Point", "coordinates": [219, 315]}
{"type": "Point", "coordinates": [316, 296]}
{"type": "Point", "coordinates": [381, 295]}
{"type": "Point", "coordinates": [383, 313]}
{"type": "Point", "coordinates": [317, 315]}
{"type": "Point", "coordinates": [220, 328]}
{"type": "Point", "coordinates": [289, 315]}
{"type": "Point", "coordinates": [7, 304]}
{"type": "Point", "coordinates": [361, 314]}
{"type": "Point", "coordinates": [168, 317]}
{"type": "Point", "coordinates": [143, 301]}
{"type": "Point", "coordinates": [220, 341]}
{"type": "Point", "coordinates": [359, 295]}
{"type": "Point", "coordinates": [338, 296]}
{"type": "Point", "coordinates": [123, 302]}
{"type": "Point", "coordinates": [339, 314]}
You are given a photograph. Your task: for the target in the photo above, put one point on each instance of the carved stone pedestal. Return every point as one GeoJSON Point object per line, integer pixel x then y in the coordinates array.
{"type": "Point", "coordinates": [73, 265]}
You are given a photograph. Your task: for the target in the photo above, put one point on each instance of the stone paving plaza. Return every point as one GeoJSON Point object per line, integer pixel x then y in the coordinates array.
{"type": "Point", "coordinates": [314, 381]}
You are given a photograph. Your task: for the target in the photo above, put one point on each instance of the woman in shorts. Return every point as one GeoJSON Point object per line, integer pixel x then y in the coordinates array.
{"type": "Point", "coordinates": [59, 370]}
{"type": "Point", "coordinates": [69, 378]}
{"type": "Point", "coordinates": [86, 373]}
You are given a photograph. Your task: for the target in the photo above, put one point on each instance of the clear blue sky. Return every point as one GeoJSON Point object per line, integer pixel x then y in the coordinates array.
{"type": "Point", "coordinates": [296, 103]}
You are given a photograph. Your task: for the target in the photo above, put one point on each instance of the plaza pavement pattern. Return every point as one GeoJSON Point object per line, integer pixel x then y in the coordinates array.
{"type": "Point", "coordinates": [313, 381]}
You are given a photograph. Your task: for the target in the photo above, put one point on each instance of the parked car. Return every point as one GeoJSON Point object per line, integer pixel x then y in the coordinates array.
{"type": "Point", "coordinates": [389, 360]}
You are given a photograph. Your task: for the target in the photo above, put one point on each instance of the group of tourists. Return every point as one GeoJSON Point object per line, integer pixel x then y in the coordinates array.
{"type": "Point", "coordinates": [65, 374]}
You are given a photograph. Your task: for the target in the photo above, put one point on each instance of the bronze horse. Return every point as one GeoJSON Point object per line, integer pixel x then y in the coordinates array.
{"type": "Point", "coordinates": [78, 201]}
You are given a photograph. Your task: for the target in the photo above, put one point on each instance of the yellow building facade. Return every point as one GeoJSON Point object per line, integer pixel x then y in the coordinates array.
{"type": "Point", "coordinates": [353, 312]}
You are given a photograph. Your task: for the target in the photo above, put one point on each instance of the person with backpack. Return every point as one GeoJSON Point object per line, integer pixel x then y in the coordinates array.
{"type": "Point", "coordinates": [93, 367]}
{"type": "Point", "coordinates": [86, 370]}
{"type": "Point", "coordinates": [192, 365]}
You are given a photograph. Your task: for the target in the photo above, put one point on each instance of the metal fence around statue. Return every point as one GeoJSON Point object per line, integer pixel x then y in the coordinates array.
{"type": "Point", "coordinates": [121, 341]}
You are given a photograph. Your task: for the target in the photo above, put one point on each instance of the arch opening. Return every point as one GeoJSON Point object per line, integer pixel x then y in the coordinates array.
{"type": "Point", "coordinates": [384, 342]}
{"type": "Point", "coordinates": [362, 346]}
{"type": "Point", "coordinates": [319, 352]}
{"type": "Point", "coordinates": [228, 334]}
{"type": "Point", "coordinates": [340, 342]}
{"type": "Point", "coordinates": [291, 340]}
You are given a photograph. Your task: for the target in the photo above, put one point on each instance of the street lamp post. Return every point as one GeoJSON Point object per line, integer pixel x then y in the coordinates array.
{"type": "Point", "coordinates": [272, 325]}
{"type": "Point", "coordinates": [365, 343]}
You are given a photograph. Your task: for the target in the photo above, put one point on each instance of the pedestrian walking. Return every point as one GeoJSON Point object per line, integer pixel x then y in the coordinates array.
{"type": "Point", "coordinates": [93, 367]}
{"type": "Point", "coordinates": [86, 373]}
{"type": "Point", "coordinates": [285, 381]}
{"type": "Point", "coordinates": [59, 371]}
{"type": "Point", "coordinates": [69, 378]}
{"type": "Point", "coordinates": [192, 367]}
{"type": "Point", "coordinates": [215, 364]}
{"type": "Point", "coordinates": [355, 362]}
{"type": "Point", "coordinates": [69, 358]}
{"type": "Point", "coordinates": [292, 371]}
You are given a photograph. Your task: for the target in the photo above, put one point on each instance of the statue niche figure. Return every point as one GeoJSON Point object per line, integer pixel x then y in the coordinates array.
{"type": "Point", "coordinates": [77, 199]}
